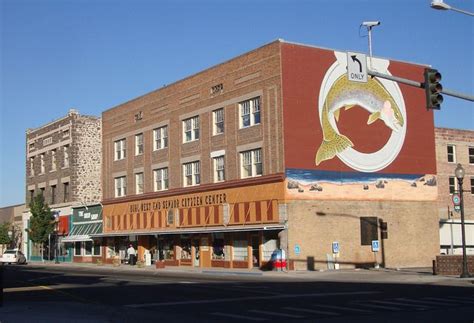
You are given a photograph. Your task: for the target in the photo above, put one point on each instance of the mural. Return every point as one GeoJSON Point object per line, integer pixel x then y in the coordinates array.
{"type": "Point", "coordinates": [354, 140]}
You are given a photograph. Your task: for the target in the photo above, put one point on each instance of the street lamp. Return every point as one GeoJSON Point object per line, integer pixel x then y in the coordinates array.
{"type": "Point", "coordinates": [440, 5]}
{"type": "Point", "coordinates": [459, 172]}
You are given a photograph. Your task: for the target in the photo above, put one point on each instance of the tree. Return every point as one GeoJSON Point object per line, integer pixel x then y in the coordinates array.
{"type": "Point", "coordinates": [41, 221]}
{"type": "Point", "coordinates": [4, 237]}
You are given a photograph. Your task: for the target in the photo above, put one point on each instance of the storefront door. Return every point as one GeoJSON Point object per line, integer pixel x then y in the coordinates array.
{"type": "Point", "coordinates": [205, 252]}
{"type": "Point", "coordinates": [196, 253]}
{"type": "Point", "coordinates": [255, 251]}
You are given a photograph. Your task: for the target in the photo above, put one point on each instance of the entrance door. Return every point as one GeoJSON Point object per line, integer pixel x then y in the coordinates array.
{"type": "Point", "coordinates": [205, 252]}
{"type": "Point", "coordinates": [196, 253]}
{"type": "Point", "coordinates": [255, 251]}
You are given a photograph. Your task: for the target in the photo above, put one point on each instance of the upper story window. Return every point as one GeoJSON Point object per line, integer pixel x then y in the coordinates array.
{"type": "Point", "coordinates": [139, 183]}
{"type": "Point", "coordinates": [249, 112]}
{"type": "Point", "coordinates": [452, 184]}
{"type": "Point", "coordinates": [53, 194]}
{"type": "Point", "coordinates": [31, 147]}
{"type": "Point", "coordinates": [191, 129]}
{"type": "Point", "coordinates": [53, 160]}
{"type": "Point", "coordinates": [451, 153]}
{"type": "Point", "coordinates": [66, 133]}
{"type": "Point", "coordinates": [139, 144]}
{"type": "Point", "coordinates": [120, 186]}
{"type": "Point", "coordinates": [42, 168]}
{"type": "Point", "coordinates": [218, 121]}
{"type": "Point", "coordinates": [161, 179]}
{"type": "Point", "coordinates": [66, 156]}
{"type": "Point", "coordinates": [471, 155]}
{"type": "Point", "coordinates": [120, 149]}
{"type": "Point", "coordinates": [66, 192]}
{"type": "Point", "coordinates": [192, 174]}
{"type": "Point", "coordinates": [219, 169]}
{"type": "Point", "coordinates": [160, 136]}
{"type": "Point", "coordinates": [472, 185]}
{"type": "Point", "coordinates": [251, 163]}
{"type": "Point", "coordinates": [32, 166]}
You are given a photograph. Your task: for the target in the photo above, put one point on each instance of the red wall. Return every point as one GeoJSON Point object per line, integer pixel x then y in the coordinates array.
{"type": "Point", "coordinates": [303, 69]}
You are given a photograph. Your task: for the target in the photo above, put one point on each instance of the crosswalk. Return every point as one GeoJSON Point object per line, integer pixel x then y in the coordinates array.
{"type": "Point", "coordinates": [357, 307]}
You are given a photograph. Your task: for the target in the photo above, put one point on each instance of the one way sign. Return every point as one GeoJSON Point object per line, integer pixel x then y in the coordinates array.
{"type": "Point", "coordinates": [356, 67]}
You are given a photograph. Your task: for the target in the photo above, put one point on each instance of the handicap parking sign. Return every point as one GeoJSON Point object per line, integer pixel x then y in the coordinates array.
{"type": "Point", "coordinates": [335, 247]}
{"type": "Point", "coordinates": [375, 246]}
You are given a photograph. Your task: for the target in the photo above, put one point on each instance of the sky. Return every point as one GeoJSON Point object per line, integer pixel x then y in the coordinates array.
{"type": "Point", "coordinates": [92, 55]}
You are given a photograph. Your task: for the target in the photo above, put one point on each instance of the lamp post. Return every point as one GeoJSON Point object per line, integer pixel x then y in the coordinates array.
{"type": "Point", "coordinates": [440, 5]}
{"type": "Point", "coordinates": [459, 172]}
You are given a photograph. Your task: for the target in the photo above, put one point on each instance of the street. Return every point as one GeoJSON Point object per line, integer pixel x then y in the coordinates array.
{"type": "Point", "coordinates": [93, 294]}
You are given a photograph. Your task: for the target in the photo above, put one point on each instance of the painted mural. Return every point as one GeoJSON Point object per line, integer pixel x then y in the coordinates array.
{"type": "Point", "coordinates": [361, 142]}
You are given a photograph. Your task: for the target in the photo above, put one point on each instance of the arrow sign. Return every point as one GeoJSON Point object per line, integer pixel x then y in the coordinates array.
{"type": "Point", "coordinates": [357, 67]}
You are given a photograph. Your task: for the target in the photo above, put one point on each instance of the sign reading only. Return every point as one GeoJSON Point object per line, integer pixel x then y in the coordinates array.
{"type": "Point", "coordinates": [356, 67]}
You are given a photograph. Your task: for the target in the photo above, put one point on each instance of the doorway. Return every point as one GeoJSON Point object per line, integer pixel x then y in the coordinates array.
{"type": "Point", "coordinates": [255, 251]}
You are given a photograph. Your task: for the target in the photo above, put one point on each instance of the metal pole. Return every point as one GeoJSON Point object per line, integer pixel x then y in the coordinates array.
{"type": "Point", "coordinates": [369, 29]}
{"type": "Point", "coordinates": [462, 11]}
{"type": "Point", "coordinates": [465, 272]}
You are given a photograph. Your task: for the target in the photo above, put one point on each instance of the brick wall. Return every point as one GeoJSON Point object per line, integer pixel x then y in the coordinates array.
{"type": "Point", "coordinates": [452, 265]}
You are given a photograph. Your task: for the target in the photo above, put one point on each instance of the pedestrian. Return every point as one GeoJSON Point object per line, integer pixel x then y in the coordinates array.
{"type": "Point", "coordinates": [131, 255]}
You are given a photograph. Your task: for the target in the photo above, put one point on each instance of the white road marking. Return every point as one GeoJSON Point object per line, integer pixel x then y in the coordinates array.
{"type": "Point", "coordinates": [343, 308]}
{"type": "Point", "coordinates": [390, 308]}
{"type": "Point", "coordinates": [461, 299]}
{"type": "Point", "coordinates": [399, 303]}
{"type": "Point", "coordinates": [249, 298]}
{"type": "Point", "coordinates": [296, 309]}
{"type": "Point", "coordinates": [240, 317]}
{"type": "Point", "coordinates": [277, 314]}
{"type": "Point", "coordinates": [422, 302]}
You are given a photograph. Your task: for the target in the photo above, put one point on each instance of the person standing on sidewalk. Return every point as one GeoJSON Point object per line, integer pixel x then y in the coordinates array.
{"type": "Point", "coordinates": [131, 255]}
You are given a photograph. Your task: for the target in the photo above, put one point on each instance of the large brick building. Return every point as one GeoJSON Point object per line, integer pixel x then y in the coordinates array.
{"type": "Point", "coordinates": [63, 163]}
{"type": "Point", "coordinates": [455, 146]}
{"type": "Point", "coordinates": [273, 149]}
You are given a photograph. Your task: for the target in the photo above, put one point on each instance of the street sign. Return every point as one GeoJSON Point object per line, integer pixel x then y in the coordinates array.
{"type": "Point", "coordinates": [457, 208]}
{"type": "Point", "coordinates": [456, 199]}
{"type": "Point", "coordinates": [335, 247]}
{"type": "Point", "coordinates": [375, 246]}
{"type": "Point", "coordinates": [356, 67]}
{"type": "Point", "coordinates": [297, 250]}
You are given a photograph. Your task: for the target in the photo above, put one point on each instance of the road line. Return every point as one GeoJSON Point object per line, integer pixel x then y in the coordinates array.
{"type": "Point", "coordinates": [461, 299]}
{"type": "Point", "coordinates": [249, 298]}
{"type": "Point", "coordinates": [399, 303]}
{"type": "Point", "coordinates": [421, 301]}
{"type": "Point", "coordinates": [297, 309]}
{"type": "Point", "coordinates": [390, 308]}
{"type": "Point", "coordinates": [277, 314]}
{"type": "Point", "coordinates": [240, 317]}
{"type": "Point", "coordinates": [22, 289]}
{"type": "Point", "coordinates": [343, 308]}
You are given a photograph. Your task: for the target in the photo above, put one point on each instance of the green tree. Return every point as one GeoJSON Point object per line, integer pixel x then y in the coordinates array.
{"type": "Point", "coordinates": [41, 221]}
{"type": "Point", "coordinates": [4, 238]}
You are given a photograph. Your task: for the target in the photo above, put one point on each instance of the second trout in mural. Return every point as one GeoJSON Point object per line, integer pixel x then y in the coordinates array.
{"type": "Point", "coordinates": [344, 94]}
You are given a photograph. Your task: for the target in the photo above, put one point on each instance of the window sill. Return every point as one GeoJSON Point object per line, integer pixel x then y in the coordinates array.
{"type": "Point", "coordinates": [160, 149]}
{"type": "Point", "coordinates": [190, 141]}
{"type": "Point", "coordinates": [252, 125]}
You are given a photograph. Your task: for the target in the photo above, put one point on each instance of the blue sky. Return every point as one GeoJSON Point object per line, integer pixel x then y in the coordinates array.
{"type": "Point", "coordinates": [93, 55]}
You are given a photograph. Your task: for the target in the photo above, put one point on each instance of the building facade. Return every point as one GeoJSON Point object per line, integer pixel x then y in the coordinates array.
{"type": "Point", "coordinates": [455, 146]}
{"type": "Point", "coordinates": [274, 149]}
{"type": "Point", "coordinates": [13, 215]}
{"type": "Point", "coordinates": [63, 163]}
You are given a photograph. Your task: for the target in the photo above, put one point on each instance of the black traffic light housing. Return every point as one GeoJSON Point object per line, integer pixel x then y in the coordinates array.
{"type": "Point", "coordinates": [433, 89]}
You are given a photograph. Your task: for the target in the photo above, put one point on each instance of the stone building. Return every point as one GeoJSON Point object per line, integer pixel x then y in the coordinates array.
{"type": "Point", "coordinates": [455, 146]}
{"type": "Point", "coordinates": [273, 150]}
{"type": "Point", "coordinates": [63, 163]}
{"type": "Point", "coordinates": [13, 215]}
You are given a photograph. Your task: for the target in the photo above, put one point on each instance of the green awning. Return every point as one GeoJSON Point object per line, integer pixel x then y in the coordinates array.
{"type": "Point", "coordinates": [82, 231]}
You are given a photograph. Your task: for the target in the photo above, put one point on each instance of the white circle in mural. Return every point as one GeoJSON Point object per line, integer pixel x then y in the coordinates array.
{"type": "Point", "coordinates": [375, 161]}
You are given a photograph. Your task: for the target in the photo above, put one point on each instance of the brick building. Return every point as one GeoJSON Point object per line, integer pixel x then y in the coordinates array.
{"type": "Point", "coordinates": [455, 146]}
{"type": "Point", "coordinates": [274, 149]}
{"type": "Point", "coordinates": [63, 163]}
{"type": "Point", "coordinates": [13, 215]}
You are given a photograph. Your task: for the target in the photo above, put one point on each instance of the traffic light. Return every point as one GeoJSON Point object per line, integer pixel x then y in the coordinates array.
{"type": "Point", "coordinates": [433, 89]}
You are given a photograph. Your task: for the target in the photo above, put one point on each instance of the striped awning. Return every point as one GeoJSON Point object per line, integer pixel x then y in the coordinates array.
{"type": "Point", "coordinates": [82, 231]}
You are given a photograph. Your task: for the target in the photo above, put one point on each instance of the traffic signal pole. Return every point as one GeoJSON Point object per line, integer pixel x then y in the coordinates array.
{"type": "Point", "coordinates": [420, 85]}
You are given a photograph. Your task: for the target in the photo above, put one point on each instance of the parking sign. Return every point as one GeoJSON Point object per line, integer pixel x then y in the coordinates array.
{"type": "Point", "coordinates": [375, 246]}
{"type": "Point", "coordinates": [335, 247]}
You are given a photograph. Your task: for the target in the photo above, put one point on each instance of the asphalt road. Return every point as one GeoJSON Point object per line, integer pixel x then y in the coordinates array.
{"type": "Point", "coordinates": [88, 295]}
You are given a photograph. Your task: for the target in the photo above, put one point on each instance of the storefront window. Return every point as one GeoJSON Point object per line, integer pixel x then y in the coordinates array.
{"type": "Point", "coordinates": [186, 248]}
{"type": "Point", "coordinates": [270, 244]}
{"type": "Point", "coordinates": [241, 247]}
{"type": "Point", "coordinates": [77, 248]}
{"type": "Point", "coordinates": [168, 249]}
{"type": "Point", "coordinates": [218, 251]}
{"type": "Point", "coordinates": [97, 248]}
{"type": "Point", "coordinates": [36, 250]}
{"type": "Point", "coordinates": [88, 248]}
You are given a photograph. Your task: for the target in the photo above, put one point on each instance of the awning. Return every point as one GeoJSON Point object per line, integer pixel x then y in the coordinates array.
{"type": "Point", "coordinates": [83, 231]}
{"type": "Point", "coordinates": [219, 229]}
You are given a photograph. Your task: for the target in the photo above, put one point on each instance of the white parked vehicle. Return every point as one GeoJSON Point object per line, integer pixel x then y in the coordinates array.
{"type": "Point", "coordinates": [13, 256]}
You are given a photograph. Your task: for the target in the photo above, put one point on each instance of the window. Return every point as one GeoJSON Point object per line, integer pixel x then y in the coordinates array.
{"type": "Point", "coordinates": [368, 230]}
{"type": "Point", "coordinates": [451, 154]}
{"type": "Point", "coordinates": [66, 133]}
{"type": "Point", "coordinates": [249, 112]}
{"type": "Point", "coordinates": [77, 248]}
{"type": "Point", "coordinates": [96, 251]}
{"type": "Point", "coordinates": [139, 183]}
{"type": "Point", "coordinates": [240, 245]}
{"type": "Point", "coordinates": [87, 248]}
{"type": "Point", "coordinates": [218, 121]}
{"type": "Point", "coordinates": [161, 179]}
{"type": "Point", "coordinates": [139, 144]}
{"type": "Point", "coordinates": [120, 149]}
{"type": "Point", "coordinates": [472, 185]}
{"type": "Point", "coordinates": [251, 162]}
{"type": "Point", "coordinates": [471, 155]}
{"type": "Point", "coordinates": [192, 174]}
{"type": "Point", "coordinates": [32, 166]}
{"type": "Point", "coordinates": [32, 195]}
{"type": "Point", "coordinates": [42, 191]}
{"type": "Point", "coordinates": [120, 186]}
{"type": "Point", "coordinates": [160, 136]}
{"type": "Point", "coordinates": [53, 194]}
{"type": "Point", "coordinates": [53, 160]}
{"type": "Point", "coordinates": [31, 147]}
{"type": "Point", "coordinates": [219, 169]}
{"type": "Point", "coordinates": [452, 184]}
{"type": "Point", "coordinates": [66, 192]}
{"type": "Point", "coordinates": [191, 129]}
{"type": "Point", "coordinates": [66, 156]}
{"type": "Point", "coordinates": [42, 164]}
